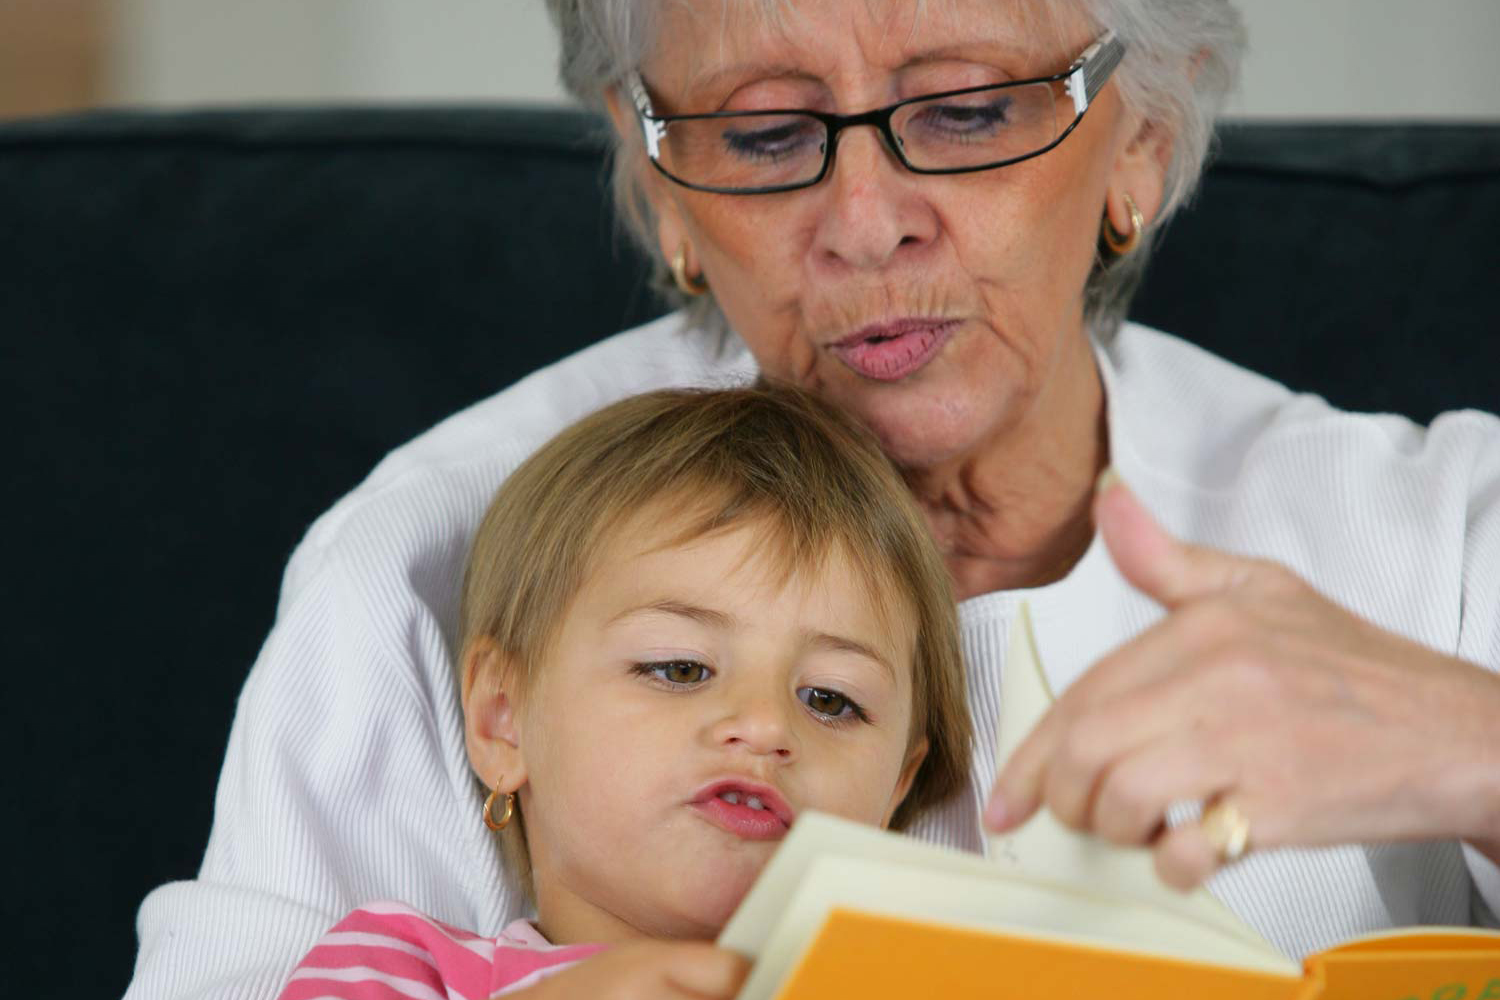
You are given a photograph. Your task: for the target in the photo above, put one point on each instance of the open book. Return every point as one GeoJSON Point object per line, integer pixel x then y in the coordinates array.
{"type": "Point", "coordinates": [848, 910]}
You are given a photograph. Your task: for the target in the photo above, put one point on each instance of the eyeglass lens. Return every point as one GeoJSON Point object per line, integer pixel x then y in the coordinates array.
{"type": "Point", "coordinates": [959, 132]}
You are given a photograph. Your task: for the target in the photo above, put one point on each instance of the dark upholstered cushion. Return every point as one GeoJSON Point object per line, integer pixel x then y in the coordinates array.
{"type": "Point", "coordinates": [1354, 261]}
{"type": "Point", "coordinates": [213, 324]}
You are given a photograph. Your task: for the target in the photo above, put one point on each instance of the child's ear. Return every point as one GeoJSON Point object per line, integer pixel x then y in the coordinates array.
{"type": "Point", "coordinates": [914, 758]}
{"type": "Point", "coordinates": [491, 733]}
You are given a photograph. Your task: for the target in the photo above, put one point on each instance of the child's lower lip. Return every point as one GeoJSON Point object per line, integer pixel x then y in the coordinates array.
{"type": "Point", "coordinates": [741, 820]}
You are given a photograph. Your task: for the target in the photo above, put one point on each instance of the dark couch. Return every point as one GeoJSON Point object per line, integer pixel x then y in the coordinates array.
{"type": "Point", "coordinates": [212, 325]}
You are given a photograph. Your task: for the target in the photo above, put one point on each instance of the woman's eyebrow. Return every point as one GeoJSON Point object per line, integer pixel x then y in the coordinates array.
{"type": "Point", "coordinates": [992, 52]}
{"type": "Point", "coordinates": [713, 80]}
{"type": "Point", "coordinates": [984, 50]}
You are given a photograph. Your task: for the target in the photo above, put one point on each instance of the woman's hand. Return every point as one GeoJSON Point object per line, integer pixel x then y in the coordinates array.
{"type": "Point", "coordinates": [648, 970]}
{"type": "Point", "coordinates": [1319, 727]}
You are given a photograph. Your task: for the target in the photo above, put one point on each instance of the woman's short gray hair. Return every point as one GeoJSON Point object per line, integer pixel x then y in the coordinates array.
{"type": "Point", "coordinates": [1182, 59]}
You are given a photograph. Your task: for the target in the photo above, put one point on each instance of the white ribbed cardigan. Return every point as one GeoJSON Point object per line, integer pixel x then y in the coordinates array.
{"type": "Point", "coordinates": [346, 779]}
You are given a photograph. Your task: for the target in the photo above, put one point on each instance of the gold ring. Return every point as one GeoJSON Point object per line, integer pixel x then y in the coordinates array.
{"type": "Point", "coordinates": [1227, 830]}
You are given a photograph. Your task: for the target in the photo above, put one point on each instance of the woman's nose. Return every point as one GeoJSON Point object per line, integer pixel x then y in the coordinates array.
{"type": "Point", "coordinates": [872, 211]}
{"type": "Point", "coordinates": [756, 725]}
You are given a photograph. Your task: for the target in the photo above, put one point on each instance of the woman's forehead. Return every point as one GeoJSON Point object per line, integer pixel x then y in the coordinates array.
{"type": "Point", "coordinates": [701, 42]}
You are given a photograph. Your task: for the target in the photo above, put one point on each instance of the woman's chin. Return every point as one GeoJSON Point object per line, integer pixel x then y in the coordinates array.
{"type": "Point", "coordinates": [921, 423]}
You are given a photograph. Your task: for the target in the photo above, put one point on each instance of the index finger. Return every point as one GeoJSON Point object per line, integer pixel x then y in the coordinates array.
{"type": "Point", "coordinates": [1018, 787]}
{"type": "Point", "coordinates": [1139, 663]}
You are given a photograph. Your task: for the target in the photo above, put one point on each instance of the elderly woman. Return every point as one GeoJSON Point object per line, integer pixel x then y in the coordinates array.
{"type": "Point", "coordinates": [933, 214]}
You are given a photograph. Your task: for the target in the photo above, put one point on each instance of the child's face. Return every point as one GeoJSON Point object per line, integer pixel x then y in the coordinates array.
{"type": "Point", "coordinates": [684, 678]}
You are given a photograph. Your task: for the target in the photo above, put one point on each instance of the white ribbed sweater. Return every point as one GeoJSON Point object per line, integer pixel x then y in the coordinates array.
{"type": "Point", "coordinates": [346, 779]}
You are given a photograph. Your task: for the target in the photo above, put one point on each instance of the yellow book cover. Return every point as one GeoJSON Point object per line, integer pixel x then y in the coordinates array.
{"type": "Point", "coordinates": [847, 910]}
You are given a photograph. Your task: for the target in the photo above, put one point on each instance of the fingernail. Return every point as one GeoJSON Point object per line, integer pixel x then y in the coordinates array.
{"type": "Point", "coordinates": [995, 813]}
{"type": "Point", "coordinates": [1106, 479]}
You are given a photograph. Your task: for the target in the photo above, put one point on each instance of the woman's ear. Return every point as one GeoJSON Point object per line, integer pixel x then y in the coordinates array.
{"type": "Point", "coordinates": [1140, 171]}
{"type": "Point", "coordinates": [914, 758]}
{"type": "Point", "coordinates": [492, 734]}
{"type": "Point", "coordinates": [671, 230]}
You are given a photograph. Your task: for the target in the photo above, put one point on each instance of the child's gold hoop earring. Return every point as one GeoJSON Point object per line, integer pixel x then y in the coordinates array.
{"type": "Point", "coordinates": [1120, 245]}
{"type": "Point", "coordinates": [489, 808]}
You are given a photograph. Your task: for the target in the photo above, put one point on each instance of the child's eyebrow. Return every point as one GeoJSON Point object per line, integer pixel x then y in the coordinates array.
{"type": "Point", "coordinates": [704, 616]}
{"type": "Point", "coordinates": [843, 644]}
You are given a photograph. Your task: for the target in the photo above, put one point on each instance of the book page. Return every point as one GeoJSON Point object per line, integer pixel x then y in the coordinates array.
{"type": "Point", "coordinates": [831, 862]}
{"type": "Point", "coordinates": [815, 836]}
{"type": "Point", "coordinates": [1044, 848]}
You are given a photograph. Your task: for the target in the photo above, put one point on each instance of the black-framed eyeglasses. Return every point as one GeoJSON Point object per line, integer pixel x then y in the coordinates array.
{"type": "Point", "coordinates": [953, 132]}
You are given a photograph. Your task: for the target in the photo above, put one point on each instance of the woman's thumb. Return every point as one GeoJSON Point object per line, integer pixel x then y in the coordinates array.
{"type": "Point", "coordinates": [1169, 571]}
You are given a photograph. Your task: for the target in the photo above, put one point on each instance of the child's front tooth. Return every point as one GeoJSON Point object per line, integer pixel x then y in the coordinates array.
{"type": "Point", "coordinates": [733, 798]}
{"type": "Point", "coordinates": [754, 802]}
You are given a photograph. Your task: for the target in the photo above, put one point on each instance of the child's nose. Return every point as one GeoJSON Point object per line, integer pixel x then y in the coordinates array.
{"type": "Point", "coordinates": [759, 726]}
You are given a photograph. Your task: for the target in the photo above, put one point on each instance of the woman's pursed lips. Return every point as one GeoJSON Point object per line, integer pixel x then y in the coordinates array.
{"type": "Point", "coordinates": [892, 350]}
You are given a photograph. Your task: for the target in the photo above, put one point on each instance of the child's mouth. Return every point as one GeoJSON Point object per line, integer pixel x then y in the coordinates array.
{"type": "Point", "coordinates": [751, 812]}
{"type": "Point", "coordinates": [733, 798]}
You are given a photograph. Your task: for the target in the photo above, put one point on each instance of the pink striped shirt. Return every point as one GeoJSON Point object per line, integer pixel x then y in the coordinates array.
{"type": "Point", "coordinates": [388, 951]}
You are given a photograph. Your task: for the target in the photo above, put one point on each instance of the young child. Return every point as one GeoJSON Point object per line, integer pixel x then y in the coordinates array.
{"type": "Point", "coordinates": [686, 619]}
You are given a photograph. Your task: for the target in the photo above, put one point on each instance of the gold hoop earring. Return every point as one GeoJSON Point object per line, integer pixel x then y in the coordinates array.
{"type": "Point", "coordinates": [489, 808]}
{"type": "Point", "coordinates": [1121, 245]}
{"type": "Point", "coordinates": [690, 286]}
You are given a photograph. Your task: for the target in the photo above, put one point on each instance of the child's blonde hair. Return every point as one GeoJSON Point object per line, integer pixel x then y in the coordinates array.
{"type": "Point", "coordinates": [768, 455]}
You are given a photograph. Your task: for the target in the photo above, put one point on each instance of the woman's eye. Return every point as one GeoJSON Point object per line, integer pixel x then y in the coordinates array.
{"type": "Point", "coordinates": [676, 673]}
{"type": "Point", "coordinates": [966, 120]}
{"type": "Point", "coordinates": [831, 704]}
{"type": "Point", "coordinates": [774, 140]}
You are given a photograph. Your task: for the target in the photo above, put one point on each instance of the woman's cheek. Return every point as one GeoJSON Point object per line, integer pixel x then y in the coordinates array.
{"type": "Point", "coordinates": [754, 264]}
{"type": "Point", "coordinates": [780, 349]}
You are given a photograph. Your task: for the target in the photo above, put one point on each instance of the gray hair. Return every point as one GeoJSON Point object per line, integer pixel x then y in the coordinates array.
{"type": "Point", "coordinates": [1182, 59]}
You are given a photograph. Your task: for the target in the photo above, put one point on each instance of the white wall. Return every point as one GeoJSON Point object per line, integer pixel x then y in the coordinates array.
{"type": "Point", "coordinates": [1371, 59]}
{"type": "Point", "coordinates": [236, 51]}
{"type": "Point", "coordinates": [435, 49]}
{"type": "Point", "coordinates": [1308, 58]}
{"type": "Point", "coordinates": [197, 51]}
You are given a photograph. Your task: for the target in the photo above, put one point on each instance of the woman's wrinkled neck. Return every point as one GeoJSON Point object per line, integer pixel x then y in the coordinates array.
{"type": "Point", "coordinates": [1017, 512]}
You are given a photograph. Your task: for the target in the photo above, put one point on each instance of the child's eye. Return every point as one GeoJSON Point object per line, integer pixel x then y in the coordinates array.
{"type": "Point", "coordinates": [832, 705]}
{"type": "Point", "coordinates": [675, 673]}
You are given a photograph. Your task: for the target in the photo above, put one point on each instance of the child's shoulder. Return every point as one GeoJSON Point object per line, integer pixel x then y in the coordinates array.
{"type": "Point", "coordinates": [522, 955]}
{"type": "Point", "coordinates": [385, 940]}
{"type": "Point", "coordinates": [382, 942]}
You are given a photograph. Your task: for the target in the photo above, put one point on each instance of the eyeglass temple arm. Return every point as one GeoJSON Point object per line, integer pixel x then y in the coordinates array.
{"type": "Point", "coordinates": [651, 129]}
{"type": "Point", "coordinates": [1093, 68]}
